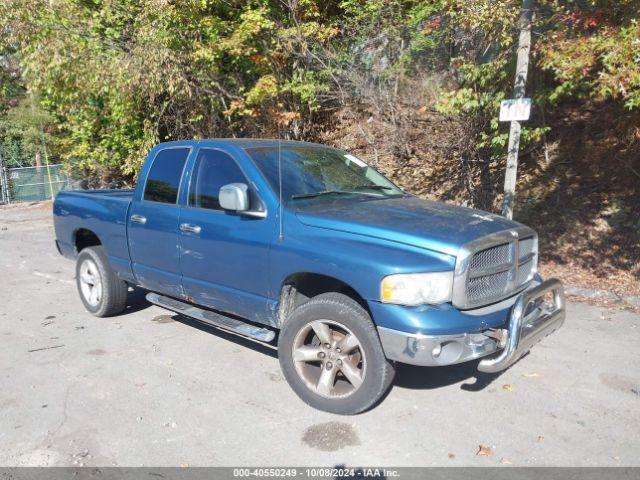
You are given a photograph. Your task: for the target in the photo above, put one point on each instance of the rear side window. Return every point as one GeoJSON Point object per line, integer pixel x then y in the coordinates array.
{"type": "Point", "coordinates": [212, 170]}
{"type": "Point", "coordinates": [164, 177]}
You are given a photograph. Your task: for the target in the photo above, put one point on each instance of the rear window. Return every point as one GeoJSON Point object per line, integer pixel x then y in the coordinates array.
{"type": "Point", "coordinates": [164, 177]}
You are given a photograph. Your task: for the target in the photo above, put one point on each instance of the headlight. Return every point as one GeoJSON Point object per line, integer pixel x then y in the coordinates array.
{"type": "Point", "coordinates": [417, 288]}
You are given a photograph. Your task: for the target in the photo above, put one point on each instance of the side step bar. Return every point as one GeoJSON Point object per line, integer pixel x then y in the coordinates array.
{"type": "Point", "coordinates": [212, 318]}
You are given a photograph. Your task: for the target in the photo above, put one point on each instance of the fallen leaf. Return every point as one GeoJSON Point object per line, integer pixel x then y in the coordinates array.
{"type": "Point", "coordinates": [530, 375]}
{"type": "Point", "coordinates": [507, 387]}
{"type": "Point", "coordinates": [452, 455]}
{"type": "Point", "coordinates": [504, 461]}
{"type": "Point", "coordinates": [484, 450]}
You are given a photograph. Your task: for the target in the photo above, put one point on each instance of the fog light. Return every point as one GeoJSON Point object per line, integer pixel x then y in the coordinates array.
{"type": "Point", "coordinates": [435, 353]}
{"type": "Point", "coordinates": [504, 338]}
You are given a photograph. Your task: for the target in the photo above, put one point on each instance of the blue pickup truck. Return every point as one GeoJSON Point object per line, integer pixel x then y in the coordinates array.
{"type": "Point", "coordinates": [309, 244]}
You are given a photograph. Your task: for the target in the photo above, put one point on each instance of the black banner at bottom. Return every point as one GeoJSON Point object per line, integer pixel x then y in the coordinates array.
{"type": "Point", "coordinates": [338, 473]}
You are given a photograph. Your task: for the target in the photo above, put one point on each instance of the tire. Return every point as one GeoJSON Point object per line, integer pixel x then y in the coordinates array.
{"type": "Point", "coordinates": [316, 372]}
{"type": "Point", "coordinates": [101, 291]}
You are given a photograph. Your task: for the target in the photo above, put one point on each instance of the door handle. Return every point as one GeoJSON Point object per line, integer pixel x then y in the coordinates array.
{"type": "Point", "coordinates": [139, 219]}
{"type": "Point", "coordinates": [188, 228]}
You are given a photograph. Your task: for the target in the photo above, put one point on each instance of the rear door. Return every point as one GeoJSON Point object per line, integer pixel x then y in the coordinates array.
{"type": "Point", "coordinates": [153, 224]}
{"type": "Point", "coordinates": [225, 256]}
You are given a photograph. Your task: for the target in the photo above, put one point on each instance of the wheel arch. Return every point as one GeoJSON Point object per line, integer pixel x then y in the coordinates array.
{"type": "Point", "coordinates": [83, 238]}
{"type": "Point", "coordinates": [299, 287]}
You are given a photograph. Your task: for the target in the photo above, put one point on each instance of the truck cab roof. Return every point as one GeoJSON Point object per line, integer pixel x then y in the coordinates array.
{"type": "Point", "coordinates": [238, 142]}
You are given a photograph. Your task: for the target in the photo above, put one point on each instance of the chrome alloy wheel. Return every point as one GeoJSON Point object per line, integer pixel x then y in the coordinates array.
{"type": "Point", "coordinates": [329, 359]}
{"type": "Point", "coordinates": [90, 282]}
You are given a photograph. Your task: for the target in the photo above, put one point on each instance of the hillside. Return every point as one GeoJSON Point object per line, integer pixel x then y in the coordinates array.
{"type": "Point", "coordinates": [584, 201]}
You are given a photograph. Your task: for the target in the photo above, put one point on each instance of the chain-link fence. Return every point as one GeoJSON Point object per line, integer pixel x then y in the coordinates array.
{"type": "Point", "coordinates": [31, 184]}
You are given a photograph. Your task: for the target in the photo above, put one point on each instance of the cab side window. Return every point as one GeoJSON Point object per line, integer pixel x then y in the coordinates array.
{"type": "Point", "coordinates": [164, 177]}
{"type": "Point", "coordinates": [212, 170]}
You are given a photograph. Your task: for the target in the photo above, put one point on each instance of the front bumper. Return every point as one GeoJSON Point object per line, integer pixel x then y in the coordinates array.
{"type": "Point", "coordinates": [530, 320]}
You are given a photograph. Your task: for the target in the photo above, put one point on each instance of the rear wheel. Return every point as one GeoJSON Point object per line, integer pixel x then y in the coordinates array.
{"type": "Point", "coordinates": [331, 355]}
{"type": "Point", "coordinates": [101, 291]}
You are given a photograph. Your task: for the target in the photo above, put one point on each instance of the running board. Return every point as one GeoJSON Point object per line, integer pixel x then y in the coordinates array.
{"type": "Point", "coordinates": [212, 318]}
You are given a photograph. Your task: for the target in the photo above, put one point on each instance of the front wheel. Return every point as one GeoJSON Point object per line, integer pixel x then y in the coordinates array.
{"type": "Point", "coordinates": [331, 356]}
{"type": "Point", "coordinates": [100, 289]}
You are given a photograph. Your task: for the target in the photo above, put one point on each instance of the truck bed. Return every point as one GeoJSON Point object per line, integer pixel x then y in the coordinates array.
{"type": "Point", "coordinates": [103, 212]}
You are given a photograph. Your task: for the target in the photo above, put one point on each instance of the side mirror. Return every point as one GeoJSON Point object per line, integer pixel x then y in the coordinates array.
{"type": "Point", "coordinates": [235, 197]}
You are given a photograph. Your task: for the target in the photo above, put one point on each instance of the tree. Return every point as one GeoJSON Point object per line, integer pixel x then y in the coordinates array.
{"type": "Point", "coordinates": [116, 76]}
{"type": "Point", "coordinates": [25, 132]}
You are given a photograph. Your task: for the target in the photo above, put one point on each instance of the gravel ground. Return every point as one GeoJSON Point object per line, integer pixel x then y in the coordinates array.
{"type": "Point", "coordinates": [151, 388]}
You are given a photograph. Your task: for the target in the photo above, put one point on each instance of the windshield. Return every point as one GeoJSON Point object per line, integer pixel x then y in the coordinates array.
{"type": "Point", "coordinates": [313, 171]}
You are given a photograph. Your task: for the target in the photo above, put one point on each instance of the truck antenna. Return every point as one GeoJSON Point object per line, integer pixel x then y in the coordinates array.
{"type": "Point", "coordinates": [281, 235]}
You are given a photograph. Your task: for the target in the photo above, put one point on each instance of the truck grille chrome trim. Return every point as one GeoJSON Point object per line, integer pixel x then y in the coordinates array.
{"type": "Point", "coordinates": [494, 267]}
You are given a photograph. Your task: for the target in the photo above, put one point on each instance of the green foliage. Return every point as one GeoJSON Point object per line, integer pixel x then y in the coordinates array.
{"type": "Point", "coordinates": [24, 131]}
{"type": "Point", "coordinates": [118, 77]}
{"type": "Point", "coordinates": [107, 79]}
{"type": "Point", "coordinates": [591, 53]}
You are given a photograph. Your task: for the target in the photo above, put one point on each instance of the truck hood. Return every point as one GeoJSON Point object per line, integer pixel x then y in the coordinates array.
{"type": "Point", "coordinates": [432, 225]}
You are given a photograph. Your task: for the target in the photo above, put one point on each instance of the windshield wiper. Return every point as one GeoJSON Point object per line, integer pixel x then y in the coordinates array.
{"type": "Point", "coordinates": [356, 191]}
{"type": "Point", "coordinates": [320, 193]}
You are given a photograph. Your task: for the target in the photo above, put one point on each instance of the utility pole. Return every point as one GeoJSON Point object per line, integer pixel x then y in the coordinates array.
{"type": "Point", "coordinates": [4, 187]}
{"type": "Point", "coordinates": [522, 67]}
{"type": "Point", "coordinates": [46, 159]}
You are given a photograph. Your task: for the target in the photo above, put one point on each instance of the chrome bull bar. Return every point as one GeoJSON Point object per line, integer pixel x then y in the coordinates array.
{"type": "Point", "coordinates": [528, 326]}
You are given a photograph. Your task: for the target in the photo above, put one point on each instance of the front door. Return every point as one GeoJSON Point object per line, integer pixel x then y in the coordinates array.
{"type": "Point", "coordinates": [153, 224]}
{"type": "Point", "coordinates": [224, 256]}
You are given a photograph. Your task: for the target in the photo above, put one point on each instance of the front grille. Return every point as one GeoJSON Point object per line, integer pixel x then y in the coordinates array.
{"type": "Point", "coordinates": [496, 270]}
{"type": "Point", "coordinates": [491, 256]}
{"type": "Point", "coordinates": [487, 286]}
{"type": "Point", "coordinates": [527, 246]}
{"type": "Point", "coordinates": [524, 272]}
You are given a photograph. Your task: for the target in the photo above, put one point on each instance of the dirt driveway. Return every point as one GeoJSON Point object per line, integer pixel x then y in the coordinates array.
{"type": "Point", "coordinates": [148, 387]}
